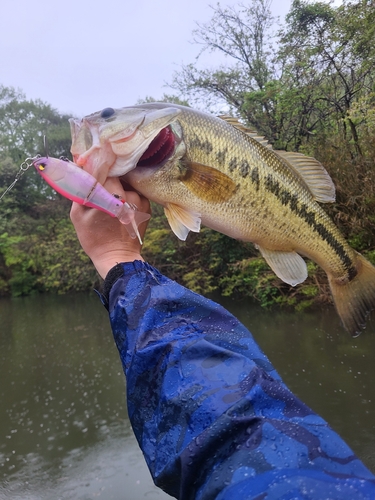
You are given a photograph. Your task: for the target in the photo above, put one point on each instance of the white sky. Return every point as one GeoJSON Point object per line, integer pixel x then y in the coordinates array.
{"type": "Point", "coordinates": [83, 55]}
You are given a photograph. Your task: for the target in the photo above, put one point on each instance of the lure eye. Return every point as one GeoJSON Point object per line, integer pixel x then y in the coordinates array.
{"type": "Point", "coordinates": [107, 112]}
{"type": "Point", "coordinates": [42, 166]}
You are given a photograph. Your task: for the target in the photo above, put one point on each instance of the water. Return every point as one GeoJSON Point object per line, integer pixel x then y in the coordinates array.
{"type": "Point", "coordinates": [319, 361]}
{"type": "Point", "coordinates": [64, 428]}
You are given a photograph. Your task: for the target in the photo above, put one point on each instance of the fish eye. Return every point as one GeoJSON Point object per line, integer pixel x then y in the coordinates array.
{"type": "Point", "coordinates": [107, 113]}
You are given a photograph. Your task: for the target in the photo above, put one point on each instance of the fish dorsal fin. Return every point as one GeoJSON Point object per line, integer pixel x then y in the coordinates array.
{"type": "Point", "coordinates": [313, 173]}
{"type": "Point", "coordinates": [311, 170]}
{"type": "Point", "coordinates": [182, 221]}
{"type": "Point", "coordinates": [246, 130]}
{"type": "Point", "coordinates": [288, 266]}
{"type": "Point", "coordinates": [207, 183]}
{"type": "Point", "coordinates": [237, 124]}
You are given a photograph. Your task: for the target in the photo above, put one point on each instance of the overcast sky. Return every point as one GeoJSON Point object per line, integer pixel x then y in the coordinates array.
{"type": "Point", "coordinates": [83, 55]}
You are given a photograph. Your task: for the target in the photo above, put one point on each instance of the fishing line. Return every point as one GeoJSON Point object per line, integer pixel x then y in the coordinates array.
{"type": "Point", "coordinates": [25, 165]}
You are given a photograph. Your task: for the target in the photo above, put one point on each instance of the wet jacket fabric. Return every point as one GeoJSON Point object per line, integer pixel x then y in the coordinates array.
{"type": "Point", "coordinates": [210, 413]}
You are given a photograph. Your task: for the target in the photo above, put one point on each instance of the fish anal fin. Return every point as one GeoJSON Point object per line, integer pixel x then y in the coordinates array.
{"type": "Point", "coordinates": [313, 173]}
{"type": "Point", "coordinates": [207, 183]}
{"type": "Point", "coordinates": [288, 266]}
{"type": "Point", "coordinates": [182, 221]}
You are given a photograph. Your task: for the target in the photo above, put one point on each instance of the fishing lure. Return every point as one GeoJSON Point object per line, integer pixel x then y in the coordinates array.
{"type": "Point", "coordinates": [77, 185]}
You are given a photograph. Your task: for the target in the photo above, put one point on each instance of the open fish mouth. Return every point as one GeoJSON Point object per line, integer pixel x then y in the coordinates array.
{"type": "Point", "coordinates": [112, 142]}
{"type": "Point", "coordinates": [159, 150]}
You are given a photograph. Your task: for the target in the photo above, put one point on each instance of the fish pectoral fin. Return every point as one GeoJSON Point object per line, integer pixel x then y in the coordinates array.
{"type": "Point", "coordinates": [313, 173]}
{"type": "Point", "coordinates": [182, 221]}
{"type": "Point", "coordinates": [207, 183]}
{"type": "Point", "coordinates": [288, 266]}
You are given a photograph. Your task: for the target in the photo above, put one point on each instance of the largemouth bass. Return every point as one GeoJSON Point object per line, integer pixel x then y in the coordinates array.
{"type": "Point", "coordinates": [210, 170]}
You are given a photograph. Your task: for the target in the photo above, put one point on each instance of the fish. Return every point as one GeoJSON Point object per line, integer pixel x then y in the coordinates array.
{"type": "Point", "coordinates": [77, 185]}
{"type": "Point", "coordinates": [214, 171]}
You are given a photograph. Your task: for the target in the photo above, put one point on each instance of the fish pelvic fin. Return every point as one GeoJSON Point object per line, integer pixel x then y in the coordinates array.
{"type": "Point", "coordinates": [288, 266]}
{"type": "Point", "coordinates": [355, 299]}
{"type": "Point", "coordinates": [182, 221]}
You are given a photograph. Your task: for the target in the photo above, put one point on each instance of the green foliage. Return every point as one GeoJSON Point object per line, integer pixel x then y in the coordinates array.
{"type": "Point", "coordinates": [18, 262]}
{"type": "Point", "coordinates": [244, 35]}
{"type": "Point", "coordinates": [23, 124]}
{"type": "Point", "coordinates": [198, 263]}
{"type": "Point", "coordinates": [39, 250]}
{"type": "Point", "coordinates": [251, 278]}
{"type": "Point", "coordinates": [63, 266]}
{"type": "Point", "coordinates": [165, 98]}
{"type": "Point", "coordinates": [48, 260]}
{"type": "Point", "coordinates": [324, 57]}
{"type": "Point", "coordinates": [309, 88]}
{"type": "Point", "coordinates": [370, 256]}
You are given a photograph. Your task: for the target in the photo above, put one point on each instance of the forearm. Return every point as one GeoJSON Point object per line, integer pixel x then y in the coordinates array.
{"type": "Point", "coordinates": [208, 409]}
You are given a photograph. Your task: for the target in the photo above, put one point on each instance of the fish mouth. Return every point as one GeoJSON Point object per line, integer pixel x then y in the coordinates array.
{"type": "Point", "coordinates": [160, 149]}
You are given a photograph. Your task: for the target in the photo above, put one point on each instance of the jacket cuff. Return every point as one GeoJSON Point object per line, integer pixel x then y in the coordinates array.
{"type": "Point", "coordinates": [118, 271]}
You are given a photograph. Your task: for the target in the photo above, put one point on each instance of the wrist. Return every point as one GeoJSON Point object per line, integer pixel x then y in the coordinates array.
{"type": "Point", "coordinates": [105, 263]}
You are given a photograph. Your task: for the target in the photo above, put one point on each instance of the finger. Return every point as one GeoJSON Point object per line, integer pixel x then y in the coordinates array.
{"type": "Point", "coordinates": [113, 186]}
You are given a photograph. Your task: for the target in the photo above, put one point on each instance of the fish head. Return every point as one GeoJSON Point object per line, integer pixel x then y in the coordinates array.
{"type": "Point", "coordinates": [111, 142]}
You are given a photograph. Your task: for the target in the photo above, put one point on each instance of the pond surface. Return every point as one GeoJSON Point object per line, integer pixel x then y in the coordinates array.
{"type": "Point", "coordinates": [64, 429]}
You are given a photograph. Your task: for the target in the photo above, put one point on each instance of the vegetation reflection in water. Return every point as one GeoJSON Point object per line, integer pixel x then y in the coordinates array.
{"type": "Point", "coordinates": [64, 429]}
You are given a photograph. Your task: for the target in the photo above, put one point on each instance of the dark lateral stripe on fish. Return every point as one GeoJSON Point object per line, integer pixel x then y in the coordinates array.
{"type": "Point", "coordinates": [205, 146]}
{"type": "Point", "coordinates": [255, 177]}
{"type": "Point", "coordinates": [221, 155]}
{"type": "Point", "coordinates": [287, 198]}
{"type": "Point", "coordinates": [244, 170]}
{"type": "Point", "coordinates": [232, 164]}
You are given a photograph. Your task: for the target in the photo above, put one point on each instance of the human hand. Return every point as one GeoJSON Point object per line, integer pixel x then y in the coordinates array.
{"type": "Point", "coordinates": [103, 238]}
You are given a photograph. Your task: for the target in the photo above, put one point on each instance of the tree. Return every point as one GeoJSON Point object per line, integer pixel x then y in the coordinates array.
{"type": "Point", "coordinates": [24, 123]}
{"type": "Point", "coordinates": [244, 35]}
{"type": "Point", "coordinates": [165, 98]}
{"type": "Point", "coordinates": [328, 62]}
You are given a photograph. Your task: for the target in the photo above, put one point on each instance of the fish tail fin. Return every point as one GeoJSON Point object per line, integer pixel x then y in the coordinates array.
{"type": "Point", "coordinates": [355, 299]}
{"type": "Point", "coordinates": [132, 219]}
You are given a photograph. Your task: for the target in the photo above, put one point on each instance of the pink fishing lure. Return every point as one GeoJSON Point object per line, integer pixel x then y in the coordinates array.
{"type": "Point", "coordinates": [71, 181]}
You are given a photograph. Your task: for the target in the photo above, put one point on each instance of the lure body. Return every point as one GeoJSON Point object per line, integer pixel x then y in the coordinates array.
{"type": "Point", "coordinates": [77, 185]}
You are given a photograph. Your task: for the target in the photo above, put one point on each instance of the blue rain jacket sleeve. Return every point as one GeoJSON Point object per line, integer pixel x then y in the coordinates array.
{"type": "Point", "coordinates": [210, 413]}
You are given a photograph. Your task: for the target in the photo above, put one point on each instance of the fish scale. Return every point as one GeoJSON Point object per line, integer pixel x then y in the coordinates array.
{"type": "Point", "coordinates": [268, 175]}
{"type": "Point", "coordinates": [216, 172]}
